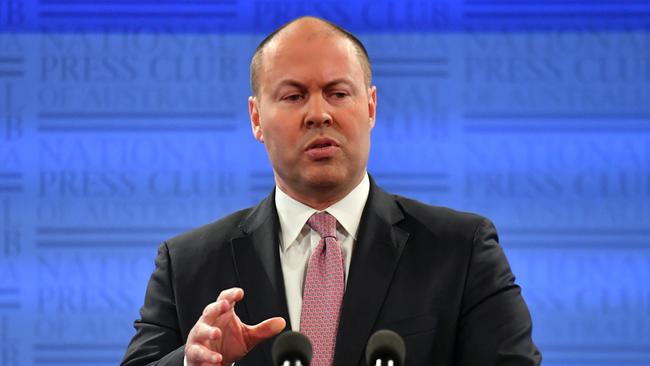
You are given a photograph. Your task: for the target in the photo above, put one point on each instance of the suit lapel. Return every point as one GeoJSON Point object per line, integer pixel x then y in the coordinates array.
{"type": "Point", "coordinates": [374, 259]}
{"type": "Point", "coordinates": [257, 249]}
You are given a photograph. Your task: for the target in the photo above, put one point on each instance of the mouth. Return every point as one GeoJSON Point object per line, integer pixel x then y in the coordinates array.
{"type": "Point", "coordinates": [321, 143]}
{"type": "Point", "coordinates": [322, 148]}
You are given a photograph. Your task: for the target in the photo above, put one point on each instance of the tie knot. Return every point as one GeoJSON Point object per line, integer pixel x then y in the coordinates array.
{"type": "Point", "coordinates": [324, 224]}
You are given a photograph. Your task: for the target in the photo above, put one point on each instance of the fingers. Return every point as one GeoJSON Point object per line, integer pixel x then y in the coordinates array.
{"type": "Point", "coordinates": [220, 331]}
{"type": "Point", "coordinates": [265, 329]}
{"type": "Point", "coordinates": [197, 351]}
{"type": "Point", "coordinates": [233, 294]}
{"type": "Point", "coordinates": [214, 310]}
{"type": "Point", "coordinates": [203, 332]}
{"type": "Point", "coordinates": [225, 302]}
{"type": "Point", "coordinates": [198, 354]}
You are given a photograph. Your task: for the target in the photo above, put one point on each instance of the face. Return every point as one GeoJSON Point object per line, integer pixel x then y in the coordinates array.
{"type": "Point", "coordinates": [314, 114]}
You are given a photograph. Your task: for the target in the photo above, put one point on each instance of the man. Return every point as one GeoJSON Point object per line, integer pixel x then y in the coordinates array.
{"type": "Point", "coordinates": [328, 252]}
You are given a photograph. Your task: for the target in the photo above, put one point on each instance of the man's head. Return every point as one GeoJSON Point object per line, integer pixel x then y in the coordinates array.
{"type": "Point", "coordinates": [362, 53]}
{"type": "Point", "coordinates": [313, 107]}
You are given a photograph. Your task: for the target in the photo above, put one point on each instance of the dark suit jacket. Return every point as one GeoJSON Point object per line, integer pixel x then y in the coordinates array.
{"type": "Point", "coordinates": [437, 277]}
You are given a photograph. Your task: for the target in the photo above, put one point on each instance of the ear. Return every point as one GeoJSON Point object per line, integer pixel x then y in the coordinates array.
{"type": "Point", "coordinates": [253, 111]}
{"type": "Point", "coordinates": [372, 105]}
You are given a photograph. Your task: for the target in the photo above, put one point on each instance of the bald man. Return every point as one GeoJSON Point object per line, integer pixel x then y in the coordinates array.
{"type": "Point", "coordinates": [436, 276]}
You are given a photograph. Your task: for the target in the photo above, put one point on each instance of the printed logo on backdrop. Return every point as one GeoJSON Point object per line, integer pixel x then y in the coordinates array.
{"type": "Point", "coordinates": [12, 285]}
{"type": "Point", "coordinates": [555, 132]}
{"type": "Point", "coordinates": [359, 16]}
{"type": "Point", "coordinates": [12, 13]}
{"type": "Point", "coordinates": [12, 258]}
{"type": "Point", "coordinates": [133, 147]}
{"type": "Point", "coordinates": [558, 84]}
{"type": "Point", "coordinates": [550, 16]}
{"type": "Point", "coordinates": [115, 138]}
{"type": "Point", "coordinates": [561, 181]}
{"type": "Point", "coordinates": [413, 74]}
{"type": "Point", "coordinates": [262, 16]}
{"type": "Point", "coordinates": [131, 114]}
{"type": "Point", "coordinates": [564, 81]}
{"type": "Point", "coordinates": [76, 284]}
{"type": "Point", "coordinates": [155, 80]}
{"type": "Point", "coordinates": [12, 186]}
{"type": "Point", "coordinates": [590, 302]}
{"type": "Point", "coordinates": [12, 72]}
{"type": "Point", "coordinates": [10, 346]}
{"type": "Point", "coordinates": [173, 16]}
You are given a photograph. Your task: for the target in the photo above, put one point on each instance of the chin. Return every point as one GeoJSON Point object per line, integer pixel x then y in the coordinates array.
{"type": "Point", "coordinates": [327, 179]}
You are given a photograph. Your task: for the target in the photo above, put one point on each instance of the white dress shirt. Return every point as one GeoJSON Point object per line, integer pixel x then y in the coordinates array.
{"type": "Point", "coordinates": [298, 240]}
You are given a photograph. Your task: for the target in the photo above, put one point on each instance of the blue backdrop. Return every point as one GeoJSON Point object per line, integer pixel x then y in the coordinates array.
{"type": "Point", "coordinates": [124, 122]}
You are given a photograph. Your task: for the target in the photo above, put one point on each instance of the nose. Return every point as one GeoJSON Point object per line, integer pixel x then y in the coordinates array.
{"type": "Point", "coordinates": [317, 114]}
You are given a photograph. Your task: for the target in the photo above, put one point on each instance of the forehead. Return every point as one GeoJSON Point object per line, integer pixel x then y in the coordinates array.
{"type": "Point", "coordinates": [310, 57]}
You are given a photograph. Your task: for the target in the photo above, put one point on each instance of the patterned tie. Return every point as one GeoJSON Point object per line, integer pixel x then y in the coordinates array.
{"type": "Point", "coordinates": [323, 292]}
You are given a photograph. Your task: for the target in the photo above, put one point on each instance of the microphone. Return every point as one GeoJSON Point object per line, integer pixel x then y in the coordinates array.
{"type": "Point", "coordinates": [291, 349]}
{"type": "Point", "coordinates": [385, 348]}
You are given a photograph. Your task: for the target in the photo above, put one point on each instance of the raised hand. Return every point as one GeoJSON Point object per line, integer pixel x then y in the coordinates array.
{"type": "Point", "coordinates": [220, 338]}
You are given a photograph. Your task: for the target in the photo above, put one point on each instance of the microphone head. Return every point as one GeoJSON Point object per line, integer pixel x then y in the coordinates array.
{"type": "Point", "coordinates": [386, 345]}
{"type": "Point", "coordinates": [291, 346]}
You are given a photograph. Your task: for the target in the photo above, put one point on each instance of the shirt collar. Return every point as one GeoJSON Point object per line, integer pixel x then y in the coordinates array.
{"type": "Point", "coordinates": [293, 214]}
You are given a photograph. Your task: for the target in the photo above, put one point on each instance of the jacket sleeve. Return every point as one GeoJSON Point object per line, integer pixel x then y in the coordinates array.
{"type": "Point", "coordinates": [157, 340]}
{"type": "Point", "coordinates": [495, 324]}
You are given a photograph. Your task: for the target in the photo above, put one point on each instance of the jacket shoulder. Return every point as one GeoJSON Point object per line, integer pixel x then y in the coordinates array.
{"type": "Point", "coordinates": [209, 236]}
{"type": "Point", "coordinates": [441, 220]}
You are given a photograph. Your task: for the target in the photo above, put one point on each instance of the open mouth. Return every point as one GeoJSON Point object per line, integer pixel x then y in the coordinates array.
{"type": "Point", "coordinates": [322, 143]}
{"type": "Point", "coordinates": [322, 148]}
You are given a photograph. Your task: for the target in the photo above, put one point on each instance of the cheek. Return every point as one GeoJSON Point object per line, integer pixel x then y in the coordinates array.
{"type": "Point", "coordinates": [270, 125]}
{"type": "Point", "coordinates": [280, 140]}
{"type": "Point", "coordinates": [359, 131]}
{"type": "Point", "coordinates": [360, 138]}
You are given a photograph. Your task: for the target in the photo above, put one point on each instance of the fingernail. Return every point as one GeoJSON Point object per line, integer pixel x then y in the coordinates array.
{"type": "Point", "coordinates": [278, 326]}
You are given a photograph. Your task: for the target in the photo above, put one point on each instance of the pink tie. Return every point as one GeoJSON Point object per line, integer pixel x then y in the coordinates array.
{"type": "Point", "coordinates": [323, 292]}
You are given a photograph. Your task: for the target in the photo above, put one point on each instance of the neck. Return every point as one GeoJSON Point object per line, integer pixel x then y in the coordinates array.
{"type": "Point", "coordinates": [319, 198]}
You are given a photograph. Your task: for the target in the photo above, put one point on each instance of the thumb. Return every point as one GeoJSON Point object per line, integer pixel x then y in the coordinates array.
{"type": "Point", "coordinates": [264, 330]}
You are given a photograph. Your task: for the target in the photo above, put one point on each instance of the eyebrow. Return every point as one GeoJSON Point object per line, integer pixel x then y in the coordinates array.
{"type": "Point", "coordinates": [290, 82]}
{"type": "Point", "coordinates": [299, 85]}
{"type": "Point", "coordinates": [339, 81]}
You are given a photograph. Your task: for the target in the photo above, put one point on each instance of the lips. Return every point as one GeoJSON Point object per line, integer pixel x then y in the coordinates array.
{"type": "Point", "coordinates": [321, 142]}
{"type": "Point", "coordinates": [322, 148]}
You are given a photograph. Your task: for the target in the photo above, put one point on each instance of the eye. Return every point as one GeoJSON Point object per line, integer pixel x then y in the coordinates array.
{"type": "Point", "coordinates": [339, 95]}
{"type": "Point", "coordinates": [293, 97]}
